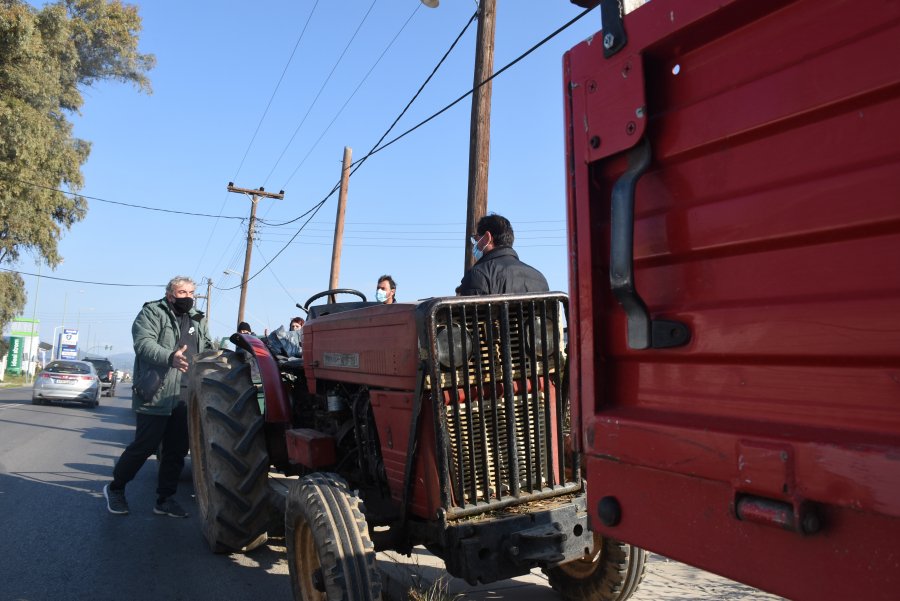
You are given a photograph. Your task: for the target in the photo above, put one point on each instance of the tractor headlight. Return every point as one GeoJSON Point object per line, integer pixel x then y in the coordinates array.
{"type": "Point", "coordinates": [453, 334]}
{"type": "Point", "coordinates": [534, 329]}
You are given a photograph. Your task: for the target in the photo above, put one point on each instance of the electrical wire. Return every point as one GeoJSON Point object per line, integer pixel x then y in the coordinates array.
{"type": "Point", "coordinates": [50, 277]}
{"type": "Point", "coordinates": [319, 93]}
{"type": "Point", "coordinates": [358, 86]}
{"type": "Point", "coordinates": [406, 108]}
{"type": "Point", "coordinates": [470, 92]}
{"type": "Point", "coordinates": [312, 213]}
{"type": "Point", "coordinates": [358, 163]}
{"type": "Point", "coordinates": [127, 204]}
{"type": "Point", "coordinates": [275, 91]}
{"type": "Point", "coordinates": [375, 148]}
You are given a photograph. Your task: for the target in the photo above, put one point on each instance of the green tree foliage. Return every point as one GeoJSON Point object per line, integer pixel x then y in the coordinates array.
{"type": "Point", "coordinates": [47, 57]}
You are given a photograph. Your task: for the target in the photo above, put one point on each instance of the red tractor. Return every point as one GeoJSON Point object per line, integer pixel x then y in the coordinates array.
{"type": "Point", "coordinates": [443, 423]}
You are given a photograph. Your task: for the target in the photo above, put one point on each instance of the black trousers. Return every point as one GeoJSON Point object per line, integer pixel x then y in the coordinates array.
{"type": "Point", "coordinates": [172, 432]}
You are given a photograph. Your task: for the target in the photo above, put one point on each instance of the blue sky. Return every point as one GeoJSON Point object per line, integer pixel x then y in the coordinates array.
{"type": "Point", "coordinates": [218, 64]}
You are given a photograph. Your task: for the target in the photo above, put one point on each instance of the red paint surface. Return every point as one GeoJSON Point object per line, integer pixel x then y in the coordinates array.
{"type": "Point", "coordinates": [278, 405]}
{"type": "Point", "coordinates": [769, 222]}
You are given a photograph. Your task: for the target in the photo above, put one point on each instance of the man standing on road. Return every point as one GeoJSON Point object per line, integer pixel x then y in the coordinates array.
{"type": "Point", "coordinates": [498, 269]}
{"type": "Point", "coordinates": [167, 333]}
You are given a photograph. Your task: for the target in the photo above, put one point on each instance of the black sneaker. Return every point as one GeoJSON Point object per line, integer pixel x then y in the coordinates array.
{"type": "Point", "coordinates": [115, 500]}
{"type": "Point", "coordinates": [171, 508]}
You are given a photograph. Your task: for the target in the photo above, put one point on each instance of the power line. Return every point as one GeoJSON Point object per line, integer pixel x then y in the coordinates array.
{"type": "Point", "coordinates": [313, 210]}
{"type": "Point", "coordinates": [275, 91]}
{"type": "Point", "coordinates": [358, 86]}
{"type": "Point", "coordinates": [357, 164]}
{"type": "Point", "coordinates": [469, 93]}
{"type": "Point", "coordinates": [319, 93]}
{"type": "Point", "coordinates": [50, 277]}
{"type": "Point", "coordinates": [375, 148]}
{"type": "Point", "coordinates": [408, 104]}
{"type": "Point", "coordinates": [126, 204]}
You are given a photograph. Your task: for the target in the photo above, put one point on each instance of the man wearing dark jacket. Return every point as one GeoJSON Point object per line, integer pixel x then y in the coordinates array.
{"type": "Point", "coordinates": [167, 333]}
{"type": "Point", "coordinates": [498, 269]}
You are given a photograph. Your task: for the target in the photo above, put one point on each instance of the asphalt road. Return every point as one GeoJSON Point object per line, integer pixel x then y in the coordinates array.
{"type": "Point", "coordinates": [58, 542]}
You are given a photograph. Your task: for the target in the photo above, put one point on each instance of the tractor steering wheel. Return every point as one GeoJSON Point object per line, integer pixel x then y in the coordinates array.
{"type": "Point", "coordinates": [331, 292]}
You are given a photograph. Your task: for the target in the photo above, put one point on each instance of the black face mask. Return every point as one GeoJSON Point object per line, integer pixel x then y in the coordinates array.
{"type": "Point", "coordinates": [183, 305]}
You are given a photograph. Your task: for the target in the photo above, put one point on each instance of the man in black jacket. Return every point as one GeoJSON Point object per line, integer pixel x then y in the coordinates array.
{"type": "Point", "coordinates": [498, 269]}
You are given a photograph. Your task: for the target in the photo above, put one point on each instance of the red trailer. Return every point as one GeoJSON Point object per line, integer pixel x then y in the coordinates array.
{"type": "Point", "coordinates": [734, 211]}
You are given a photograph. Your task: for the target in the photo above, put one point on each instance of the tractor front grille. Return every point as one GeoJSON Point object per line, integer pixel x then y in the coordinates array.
{"type": "Point", "coordinates": [499, 405]}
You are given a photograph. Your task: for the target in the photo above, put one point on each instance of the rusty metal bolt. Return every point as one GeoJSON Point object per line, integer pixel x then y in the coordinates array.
{"type": "Point", "coordinates": [630, 128]}
{"type": "Point", "coordinates": [591, 86]}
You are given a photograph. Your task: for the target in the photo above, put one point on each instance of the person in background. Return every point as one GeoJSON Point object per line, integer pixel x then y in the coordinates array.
{"type": "Point", "coordinates": [386, 290]}
{"type": "Point", "coordinates": [167, 334]}
{"type": "Point", "coordinates": [244, 328]}
{"type": "Point", "coordinates": [297, 323]}
{"type": "Point", "coordinates": [497, 269]}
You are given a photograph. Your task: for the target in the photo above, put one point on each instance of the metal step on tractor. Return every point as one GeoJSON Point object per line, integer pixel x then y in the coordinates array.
{"type": "Point", "coordinates": [443, 423]}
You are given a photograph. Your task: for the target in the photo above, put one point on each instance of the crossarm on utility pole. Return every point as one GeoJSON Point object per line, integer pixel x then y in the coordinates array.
{"type": "Point", "coordinates": [255, 195]}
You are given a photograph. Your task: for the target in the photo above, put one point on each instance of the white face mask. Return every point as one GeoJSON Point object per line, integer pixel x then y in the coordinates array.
{"type": "Point", "coordinates": [380, 295]}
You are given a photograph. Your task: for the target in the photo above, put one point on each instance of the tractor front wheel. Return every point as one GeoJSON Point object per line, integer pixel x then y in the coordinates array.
{"type": "Point", "coordinates": [611, 571]}
{"type": "Point", "coordinates": [330, 554]}
{"type": "Point", "coordinates": [228, 451]}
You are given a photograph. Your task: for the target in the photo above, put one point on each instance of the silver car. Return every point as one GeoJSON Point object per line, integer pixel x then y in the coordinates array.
{"type": "Point", "coordinates": [67, 381]}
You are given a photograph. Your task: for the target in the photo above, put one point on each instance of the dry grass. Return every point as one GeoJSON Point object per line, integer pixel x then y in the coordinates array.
{"type": "Point", "coordinates": [438, 591]}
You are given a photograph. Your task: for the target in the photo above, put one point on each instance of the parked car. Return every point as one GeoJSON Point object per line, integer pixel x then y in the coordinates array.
{"type": "Point", "coordinates": [66, 380]}
{"type": "Point", "coordinates": [107, 374]}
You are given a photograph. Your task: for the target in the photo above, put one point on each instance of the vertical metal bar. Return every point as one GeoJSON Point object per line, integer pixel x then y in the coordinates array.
{"type": "Point", "coordinates": [457, 461]}
{"type": "Point", "coordinates": [523, 388]}
{"type": "Point", "coordinates": [535, 396]}
{"type": "Point", "coordinates": [545, 364]}
{"type": "Point", "coordinates": [439, 417]}
{"type": "Point", "coordinates": [470, 423]}
{"type": "Point", "coordinates": [482, 427]}
{"type": "Point", "coordinates": [509, 401]}
{"type": "Point", "coordinates": [562, 396]}
{"type": "Point", "coordinates": [495, 426]}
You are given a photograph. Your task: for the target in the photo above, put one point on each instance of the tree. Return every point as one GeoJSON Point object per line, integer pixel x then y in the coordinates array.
{"type": "Point", "coordinates": [47, 56]}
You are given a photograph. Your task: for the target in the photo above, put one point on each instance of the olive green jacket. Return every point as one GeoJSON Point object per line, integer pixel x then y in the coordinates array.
{"type": "Point", "coordinates": [155, 333]}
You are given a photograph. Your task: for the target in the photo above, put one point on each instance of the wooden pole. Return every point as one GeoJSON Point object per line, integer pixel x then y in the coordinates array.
{"type": "Point", "coordinates": [480, 128]}
{"type": "Point", "coordinates": [255, 195]}
{"type": "Point", "coordinates": [339, 222]}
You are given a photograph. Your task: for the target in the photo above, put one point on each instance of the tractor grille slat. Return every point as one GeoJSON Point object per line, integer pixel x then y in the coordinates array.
{"type": "Point", "coordinates": [499, 410]}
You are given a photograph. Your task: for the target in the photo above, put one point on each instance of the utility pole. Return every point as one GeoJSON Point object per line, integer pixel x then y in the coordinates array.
{"type": "Point", "coordinates": [209, 284]}
{"type": "Point", "coordinates": [480, 128]}
{"type": "Point", "coordinates": [339, 222]}
{"type": "Point", "coordinates": [254, 195]}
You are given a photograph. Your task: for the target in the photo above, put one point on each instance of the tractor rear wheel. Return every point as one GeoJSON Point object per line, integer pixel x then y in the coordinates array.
{"type": "Point", "coordinates": [611, 571]}
{"type": "Point", "coordinates": [330, 554]}
{"type": "Point", "coordinates": [228, 451]}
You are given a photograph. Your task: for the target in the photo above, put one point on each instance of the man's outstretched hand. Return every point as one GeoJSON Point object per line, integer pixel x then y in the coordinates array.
{"type": "Point", "coordinates": [179, 362]}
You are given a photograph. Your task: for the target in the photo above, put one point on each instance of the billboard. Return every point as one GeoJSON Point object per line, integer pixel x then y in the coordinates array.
{"type": "Point", "coordinates": [14, 359]}
{"type": "Point", "coordinates": [68, 344]}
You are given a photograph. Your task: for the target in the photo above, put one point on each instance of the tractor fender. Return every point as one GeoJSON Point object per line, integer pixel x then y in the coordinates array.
{"type": "Point", "coordinates": [277, 404]}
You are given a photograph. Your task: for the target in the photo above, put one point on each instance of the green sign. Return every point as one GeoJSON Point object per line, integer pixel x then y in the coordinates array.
{"type": "Point", "coordinates": [14, 359]}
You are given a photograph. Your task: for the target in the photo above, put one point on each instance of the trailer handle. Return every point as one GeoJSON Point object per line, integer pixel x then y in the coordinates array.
{"type": "Point", "coordinates": [643, 332]}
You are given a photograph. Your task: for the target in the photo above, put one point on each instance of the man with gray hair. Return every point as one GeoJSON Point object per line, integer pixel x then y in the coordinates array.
{"type": "Point", "coordinates": [167, 333]}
